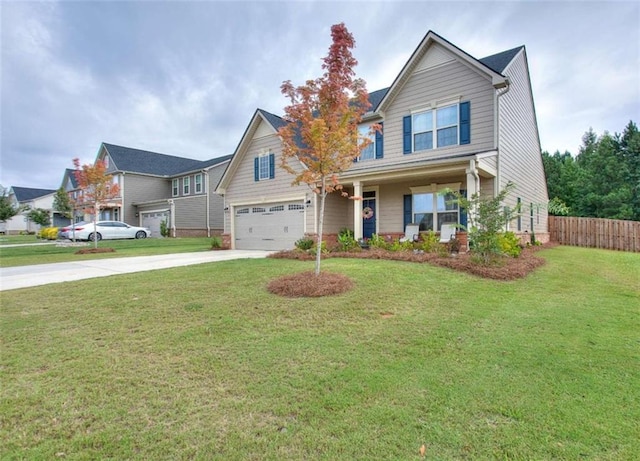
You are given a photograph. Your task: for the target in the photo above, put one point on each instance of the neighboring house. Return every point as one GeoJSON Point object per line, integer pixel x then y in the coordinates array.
{"type": "Point", "coordinates": [450, 122]}
{"type": "Point", "coordinates": [156, 188]}
{"type": "Point", "coordinates": [31, 198]}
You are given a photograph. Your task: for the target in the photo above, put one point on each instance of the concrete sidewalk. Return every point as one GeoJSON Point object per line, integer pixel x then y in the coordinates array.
{"type": "Point", "coordinates": [12, 278]}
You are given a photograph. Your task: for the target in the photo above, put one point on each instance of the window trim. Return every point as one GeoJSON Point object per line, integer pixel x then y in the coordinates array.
{"type": "Point", "coordinates": [435, 190]}
{"type": "Point", "coordinates": [175, 187]}
{"type": "Point", "coordinates": [434, 108]}
{"type": "Point", "coordinates": [197, 186]}
{"type": "Point", "coordinates": [186, 185]}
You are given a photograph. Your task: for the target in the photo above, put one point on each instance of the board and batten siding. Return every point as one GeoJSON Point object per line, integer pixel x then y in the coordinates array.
{"type": "Point", "coordinates": [447, 81]}
{"type": "Point", "coordinates": [140, 188]}
{"type": "Point", "coordinates": [520, 160]}
{"type": "Point", "coordinates": [244, 189]}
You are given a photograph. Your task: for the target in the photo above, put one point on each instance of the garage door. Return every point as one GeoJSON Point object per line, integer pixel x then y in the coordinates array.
{"type": "Point", "coordinates": [152, 221]}
{"type": "Point", "coordinates": [275, 226]}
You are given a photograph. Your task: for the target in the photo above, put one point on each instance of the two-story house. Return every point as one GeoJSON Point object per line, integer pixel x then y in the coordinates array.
{"type": "Point", "coordinates": [156, 188]}
{"type": "Point", "coordinates": [450, 122]}
{"type": "Point", "coordinates": [28, 198]}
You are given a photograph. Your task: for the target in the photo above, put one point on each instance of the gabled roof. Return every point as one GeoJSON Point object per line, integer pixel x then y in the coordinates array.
{"type": "Point", "coordinates": [275, 121]}
{"type": "Point", "coordinates": [146, 162]}
{"type": "Point", "coordinates": [153, 163]}
{"type": "Point", "coordinates": [26, 194]}
{"type": "Point", "coordinates": [376, 97]}
{"type": "Point", "coordinates": [500, 61]}
{"type": "Point", "coordinates": [497, 79]}
{"type": "Point", "coordinates": [69, 173]}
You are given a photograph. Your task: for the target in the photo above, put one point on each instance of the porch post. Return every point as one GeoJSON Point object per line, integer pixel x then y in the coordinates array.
{"type": "Point", "coordinates": [357, 210]}
{"type": "Point", "coordinates": [473, 185]}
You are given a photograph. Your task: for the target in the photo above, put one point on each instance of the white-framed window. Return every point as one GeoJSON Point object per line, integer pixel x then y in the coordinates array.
{"type": "Point", "coordinates": [434, 128]}
{"type": "Point", "coordinates": [198, 183]}
{"type": "Point", "coordinates": [174, 188]}
{"type": "Point", "coordinates": [186, 185]}
{"type": "Point", "coordinates": [263, 167]}
{"type": "Point", "coordinates": [431, 209]}
{"type": "Point", "coordinates": [369, 152]}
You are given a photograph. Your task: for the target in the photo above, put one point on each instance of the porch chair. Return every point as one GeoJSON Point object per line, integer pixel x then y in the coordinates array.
{"type": "Point", "coordinates": [447, 232]}
{"type": "Point", "coordinates": [411, 233]}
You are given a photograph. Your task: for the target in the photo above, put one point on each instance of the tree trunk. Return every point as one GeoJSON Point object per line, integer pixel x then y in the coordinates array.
{"type": "Point", "coordinates": [323, 196]}
{"type": "Point", "coordinates": [95, 226]}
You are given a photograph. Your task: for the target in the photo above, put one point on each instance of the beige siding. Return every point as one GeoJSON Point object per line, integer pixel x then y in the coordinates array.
{"type": "Point", "coordinates": [190, 212]}
{"type": "Point", "coordinates": [139, 188]}
{"type": "Point", "coordinates": [336, 215]}
{"type": "Point", "coordinates": [450, 80]}
{"type": "Point", "coordinates": [216, 202]}
{"type": "Point", "coordinates": [243, 188]}
{"type": "Point", "coordinates": [520, 159]}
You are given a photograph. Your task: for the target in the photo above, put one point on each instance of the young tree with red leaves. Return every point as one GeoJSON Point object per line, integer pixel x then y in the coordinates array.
{"type": "Point", "coordinates": [97, 188]}
{"type": "Point", "coordinates": [323, 117]}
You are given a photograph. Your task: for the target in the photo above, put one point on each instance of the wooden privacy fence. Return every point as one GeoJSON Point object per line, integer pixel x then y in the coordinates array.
{"type": "Point", "coordinates": [611, 234]}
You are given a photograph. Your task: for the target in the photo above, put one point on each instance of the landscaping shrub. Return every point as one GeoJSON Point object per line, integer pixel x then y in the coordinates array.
{"type": "Point", "coordinates": [509, 244]}
{"type": "Point", "coordinates": [304, 244]}
{"type": "Point", "coordinates": [216, 243]}
{"type": "Point", "coordinates": [346, 240]}
{"type": "Point", "coordinates": [48, 233]}
{"type": "Point", "coordinates": [430, 242]}
{"type": "Point", "coordinates": [377, 241]}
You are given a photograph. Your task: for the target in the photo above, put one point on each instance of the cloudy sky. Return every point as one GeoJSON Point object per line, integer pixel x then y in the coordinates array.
{"type": "Point", "coordinates": [184, 77]}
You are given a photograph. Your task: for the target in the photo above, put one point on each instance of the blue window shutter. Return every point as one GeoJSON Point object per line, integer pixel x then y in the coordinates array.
{"type": "Point", "coordinates": [256, 169]}
{"type": "Point", "coordinates": [407, 209]}
{"type": "Point", "coordinates": [465, 122]}
{"type": "Point", "coordinates": [463, 211]}
{"type": "Point", "coordinates": [379, 151]}
{"type": "Point", "coordinates": [272, 166]}
{"type": "Point", "coordinates": [406, 134]}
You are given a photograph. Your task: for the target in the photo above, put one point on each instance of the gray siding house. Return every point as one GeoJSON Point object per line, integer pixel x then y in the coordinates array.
{"type": "Point", "coordinates": [28, 198]}
{"type": "Point", "coordinates": [450, 122]}
{"type": "Point", "coordinates": [156, 188]}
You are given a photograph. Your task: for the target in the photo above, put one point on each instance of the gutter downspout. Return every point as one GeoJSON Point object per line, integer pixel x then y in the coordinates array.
{"type": "Point", "coordinates": [499, 94]}
{"type": "Point", "coordinates": [205, 176]}
{"type": "Point", "coordinates": [122, 207]}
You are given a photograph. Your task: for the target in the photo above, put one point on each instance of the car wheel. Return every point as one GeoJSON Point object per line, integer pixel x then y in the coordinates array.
{"type": "Point", "coordinates": [141, 235]}
{"type": "Point", "coordinates": [97, 236]}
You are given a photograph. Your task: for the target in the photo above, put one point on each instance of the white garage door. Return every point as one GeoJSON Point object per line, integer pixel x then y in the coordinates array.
{"type": "Point", "coordinates": [152, 221]}
{"type": "Point", "coordinates": [275, 226]}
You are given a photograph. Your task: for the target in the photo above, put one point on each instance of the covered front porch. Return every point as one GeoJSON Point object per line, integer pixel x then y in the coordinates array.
{"type": "Point", "coordinates": [385, 202]}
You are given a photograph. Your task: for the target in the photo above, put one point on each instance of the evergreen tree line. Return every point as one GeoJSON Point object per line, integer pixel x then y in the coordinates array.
{"type": "Point", "coordinates": [602, 181]}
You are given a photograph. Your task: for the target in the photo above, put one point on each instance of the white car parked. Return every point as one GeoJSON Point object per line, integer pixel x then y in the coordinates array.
{"type": "Point", "coordinates": [109, 230]}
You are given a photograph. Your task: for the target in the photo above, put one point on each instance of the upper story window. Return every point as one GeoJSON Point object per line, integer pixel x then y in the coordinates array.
{"type": "Point", "coordinates": [174, 188]}
{"type": "Point", "coordinates": [198, 183]}
{"type": "Point", "coordinates": [186, 185]}
{"type": "Point", "coordinates": [444, 126]}
{"type": "Point", "coordinates": [264, 167]}
{"type": "Point", "coordinates": [373, 150]}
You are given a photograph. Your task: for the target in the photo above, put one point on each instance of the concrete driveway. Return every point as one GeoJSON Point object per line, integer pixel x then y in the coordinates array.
{"type": "Point", "coordinates": [12, 278]}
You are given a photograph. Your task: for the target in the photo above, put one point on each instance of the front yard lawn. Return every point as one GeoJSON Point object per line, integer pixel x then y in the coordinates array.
{"type": "Point", "coordinates": [202, 362]}
{"type": "Point", "coordinates": [63, 252]}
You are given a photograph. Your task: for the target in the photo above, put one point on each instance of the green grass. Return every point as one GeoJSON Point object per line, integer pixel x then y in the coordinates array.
{"type": "Point", "coordinates": [16, 239]}
{"type": "Point", "coordinates": [201, 362]}
{"type": "Point", "coordinates": [43, 254]}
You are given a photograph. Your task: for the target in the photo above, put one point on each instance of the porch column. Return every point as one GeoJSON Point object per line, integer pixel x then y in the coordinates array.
{"type": "Point", "coordinates": [357, 210]}
{"type": "Point", "coordinates": [473, 183]}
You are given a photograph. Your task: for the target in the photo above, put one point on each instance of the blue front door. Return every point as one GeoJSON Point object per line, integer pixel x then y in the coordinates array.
{"type": "Point", "coordinates": [368, 217]}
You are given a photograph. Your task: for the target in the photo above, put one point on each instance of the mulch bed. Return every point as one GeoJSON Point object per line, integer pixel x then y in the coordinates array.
{"type": "Point", "coordinates": [307, 284]}
{"type": "Point", "coordinates": [86, 251]}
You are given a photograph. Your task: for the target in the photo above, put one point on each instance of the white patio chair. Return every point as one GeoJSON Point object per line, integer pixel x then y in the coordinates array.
{"type": "Point", "coordinates": [411, 233]}
{"type": "Point", "coordinates": [447, 232]}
